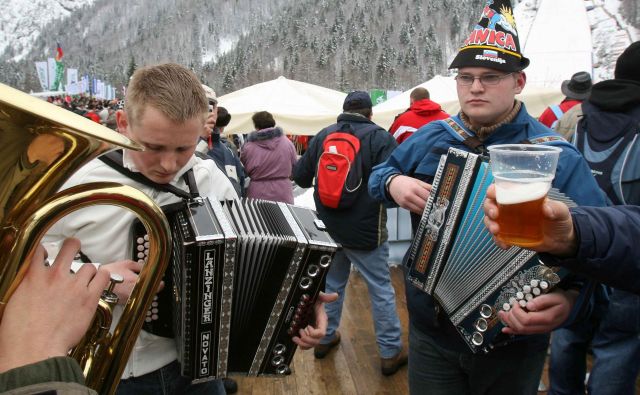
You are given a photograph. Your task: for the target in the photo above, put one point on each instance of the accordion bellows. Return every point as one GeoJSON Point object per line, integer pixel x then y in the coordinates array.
{"type": "Point", "coordinates": [453, 257]}
{"type": "Point", "coordinates": [244, 279]}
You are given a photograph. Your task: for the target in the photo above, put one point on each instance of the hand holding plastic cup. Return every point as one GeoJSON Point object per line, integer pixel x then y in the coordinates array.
{"type": "Point", "coordinates": [522, 174]}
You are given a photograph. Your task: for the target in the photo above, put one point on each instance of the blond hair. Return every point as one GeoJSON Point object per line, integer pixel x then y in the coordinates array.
{"type": "Point", "coordinates": [170, 88]}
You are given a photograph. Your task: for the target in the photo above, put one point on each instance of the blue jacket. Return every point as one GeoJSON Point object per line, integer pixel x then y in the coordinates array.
{"type": "Point", "coordinates": [419, 157]}
{"type": "Point", "coordinates": [362, 226]}
{"type": "Point", "coordinates": [608, 246]}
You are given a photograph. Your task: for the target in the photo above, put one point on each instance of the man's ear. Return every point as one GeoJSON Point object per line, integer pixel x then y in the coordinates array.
{"type": "Point", "coordinates": [521, 81]}
{"type": "Point", "coordinates": [122, 122]}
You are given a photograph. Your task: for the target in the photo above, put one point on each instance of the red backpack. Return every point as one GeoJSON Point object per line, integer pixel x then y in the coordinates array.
{"type": "Point", "coordinates": [340, 172]}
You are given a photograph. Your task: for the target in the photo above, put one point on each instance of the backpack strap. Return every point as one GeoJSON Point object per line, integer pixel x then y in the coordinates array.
{"type": "Point", "coordinates": [114, 160]}
{"type": "Point", "coordinates": [464, 135]}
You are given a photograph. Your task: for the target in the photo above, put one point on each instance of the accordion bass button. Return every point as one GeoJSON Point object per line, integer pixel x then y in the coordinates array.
{"type": "Point", "coordinates": [481, 325]}
{"type": "Point", "coordinates": [477, 339]}
{"type": "Point", "coordinates": [313, 270]}
{"type": "Point", "coordinates": [506, 307]}
{"type": "Point", "coordinates": [486, 311]}
{"type": "Point", "coordinates": [277, 360]}
{"type": "Point", "coordinates": [305, 283]}
{"type": "Point", "coordinates": [526, 289]}
{"type": "Point", "coordinates": [279, 349]}
{"type": "Point", "coordinates": [534, 283]}
{"type": "Point", "coordinates": [325, 260]}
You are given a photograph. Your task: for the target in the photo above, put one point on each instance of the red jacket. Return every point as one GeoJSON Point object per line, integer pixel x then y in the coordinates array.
{"type": "Point", "coordinates": [93, 116]}
{"type": "Point", "coordinates": [419, 114]}
{"type": "Point", "coordinates": [548, 117]}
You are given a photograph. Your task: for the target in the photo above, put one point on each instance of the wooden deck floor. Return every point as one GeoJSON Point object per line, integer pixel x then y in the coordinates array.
{"type": "Point", "coordinates": [352, 368]}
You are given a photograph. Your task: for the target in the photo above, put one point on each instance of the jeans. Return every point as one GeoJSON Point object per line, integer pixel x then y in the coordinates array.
{"type": "Point", "coordinates": [434, 370]}
{"type": "Point", "coordinates": [373, 266]}
{"type": "Point", "coordinates": [168, 381]}
{"type": "Point", "coordinates": [615, 343]}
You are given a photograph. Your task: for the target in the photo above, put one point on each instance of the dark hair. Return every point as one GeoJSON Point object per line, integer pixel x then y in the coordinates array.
{"type": "Point", "coordinates": [262, 120]}
{"type": "Point", "coordinates": [362, 111]}
{"type": "Point", "coordinates": [419, 93]}
{"type": "Point", "coordinates": [223, 117]}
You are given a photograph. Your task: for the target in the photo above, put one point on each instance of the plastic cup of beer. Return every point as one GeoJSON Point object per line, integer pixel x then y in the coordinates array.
{"type": "Point", "coordinates": [522, 175]}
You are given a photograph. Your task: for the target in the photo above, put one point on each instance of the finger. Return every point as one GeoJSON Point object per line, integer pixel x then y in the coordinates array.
{"type": "Point", "coordinates": [85, 273]}
{"type": "Point", "coordinates": [135, 267]}
{"type": "Point", "coordinates": [38, 258]}
{"type": "Point", "coordinates": [491, 192]}
{"type": "Point", "coordinates": [160, 286]}
{"type": "Point", "coordinates": [68, 251]}
{"type": "Point", "coordinates": [99, 282]}
{"type": "Point", "coordinates": [327, 298]}
{"type": "Point", "coordinates": [301, 343]}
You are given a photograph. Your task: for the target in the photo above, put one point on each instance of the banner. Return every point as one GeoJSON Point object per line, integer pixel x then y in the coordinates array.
{"type": "Point", "coordinates": [72, 76]}
{"type": "Point", "coordinates": [51, 71]}
{"type": "Point", "coordinates": [378, 96]}
{"type": "Point", "coordinates": [41, 70]}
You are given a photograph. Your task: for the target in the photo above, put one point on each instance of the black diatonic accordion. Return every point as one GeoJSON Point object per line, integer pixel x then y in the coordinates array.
{"type": "Point", "coordinates": [453, 257]}
{"type": "Point", "coordinates": [244, 278]}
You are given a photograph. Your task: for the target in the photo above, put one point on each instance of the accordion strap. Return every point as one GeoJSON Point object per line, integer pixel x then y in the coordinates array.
{"type": "Point", "coordinates": [114, 160]}
{"type": "Point", "coordinates": [468, 139]}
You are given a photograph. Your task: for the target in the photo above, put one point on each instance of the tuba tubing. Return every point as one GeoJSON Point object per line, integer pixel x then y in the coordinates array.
{"type": "Point", "coordinates": [111, 357]}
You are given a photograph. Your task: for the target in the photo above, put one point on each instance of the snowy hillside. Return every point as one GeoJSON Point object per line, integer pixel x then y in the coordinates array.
{"type": "Point", "coordinates": [21, 21]}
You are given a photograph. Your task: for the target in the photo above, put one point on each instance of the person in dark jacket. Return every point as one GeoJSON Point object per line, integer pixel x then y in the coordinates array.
{"type": "Point", "coordinates": [361, 230]}
{"type": "Point", "coordinates": [607, 136]}
{"type": "Point", "coordinates": [421, 111]}
{"type": "Point", "coordinates": [599, 242]}
{"type": "Point", "coordinates": [489, 77]}
{"type": "Point", "coordinates": [222, 153]}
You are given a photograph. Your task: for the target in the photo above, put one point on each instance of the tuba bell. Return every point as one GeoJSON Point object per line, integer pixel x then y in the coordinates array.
{"type": "Point", "coordinates": [41, 145]}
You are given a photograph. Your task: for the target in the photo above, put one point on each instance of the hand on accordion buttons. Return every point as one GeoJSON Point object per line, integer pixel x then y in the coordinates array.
{"type": "Point", "coordinates": [51, 309]}
{"type": "Point", "coordinates": [410, 193]}
{"type": "Point", "coordinates": [542, 314]}
{"type": "Point", "coordinates": [129, 270]}
{"type": "Point", "coordinates": [312, 334]}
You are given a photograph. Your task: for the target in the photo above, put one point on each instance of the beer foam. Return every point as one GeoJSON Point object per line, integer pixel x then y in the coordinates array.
{"type": "Point", "coordinates": [520, 191]}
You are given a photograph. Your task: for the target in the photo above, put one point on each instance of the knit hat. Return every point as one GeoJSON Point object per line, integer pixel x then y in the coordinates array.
{"type": "Point", "coordinates": [628, 64]}
{"type": "Point", "coordinates": [578, 87]}
{"type": "Point", "coordinates": [210, 93]}
{"type": "Point", "coordinates": [493, 43]}
{"type": "Point", "coordinates": [357, 100]}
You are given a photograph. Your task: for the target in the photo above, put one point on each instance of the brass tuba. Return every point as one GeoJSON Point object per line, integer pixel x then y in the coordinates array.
{"type": "Point", "coordinates": [41, 145]}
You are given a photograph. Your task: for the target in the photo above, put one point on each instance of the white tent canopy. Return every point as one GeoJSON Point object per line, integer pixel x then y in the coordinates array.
{"type": "Point", "coordinates": [298, 107]}
{"type": "Point", "coordinates": [535, 98]}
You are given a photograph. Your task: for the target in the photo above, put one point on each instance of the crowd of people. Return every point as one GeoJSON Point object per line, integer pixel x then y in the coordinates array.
{"type": "Point", "coordinates": [357, 169]}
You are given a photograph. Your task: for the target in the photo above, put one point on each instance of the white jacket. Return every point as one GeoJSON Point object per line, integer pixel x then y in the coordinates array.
{"type": "Point", "coordinates": [104, 232]}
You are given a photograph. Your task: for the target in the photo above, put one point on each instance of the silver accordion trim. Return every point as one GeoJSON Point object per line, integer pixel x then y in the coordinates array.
{"type": "Point", "coordinates": [245, 276]}
{"type": "Point", "coordinates": [453, 257]}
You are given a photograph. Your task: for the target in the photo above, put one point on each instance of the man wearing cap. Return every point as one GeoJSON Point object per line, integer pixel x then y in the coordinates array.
{"type": "Point", "coordinates": [575, 90]}
{"type": "Point", "coordinates": [490, 74]}
{"type": "Point", "coordinates": [606, 133]}
{"type": "Point", "coordinates": [361, 230]}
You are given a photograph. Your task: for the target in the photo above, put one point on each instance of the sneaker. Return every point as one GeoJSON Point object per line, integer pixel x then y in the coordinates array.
{"type": "Point", "coordinates": [230, 385]}
{"type": "Point", "coordinates": [321, 350]}
{"type": "Point", "coordinates": [389, 366]}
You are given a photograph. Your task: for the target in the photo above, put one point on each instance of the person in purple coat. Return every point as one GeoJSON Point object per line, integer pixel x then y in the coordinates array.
{"type": "Point", "coordinates": [268, 157]}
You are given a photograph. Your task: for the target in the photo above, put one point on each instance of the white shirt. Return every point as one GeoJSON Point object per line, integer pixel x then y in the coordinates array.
{"type": "Point", "coordinates": [105, 234]}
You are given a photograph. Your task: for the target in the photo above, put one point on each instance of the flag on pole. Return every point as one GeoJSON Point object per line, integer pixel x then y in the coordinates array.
{"type": "Point", "coordinates": [59, 68]}
{"type": "Point", "coordinates": [59, 53]}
